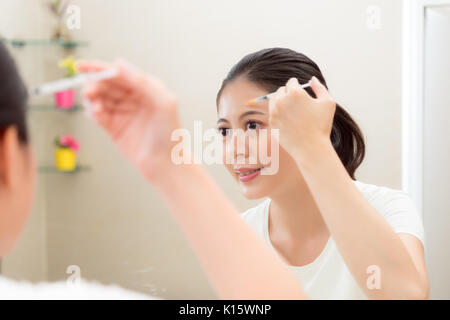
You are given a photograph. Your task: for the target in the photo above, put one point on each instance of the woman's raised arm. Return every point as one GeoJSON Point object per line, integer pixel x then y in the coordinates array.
{"type": "Point", "coordinates": [363, 236]}
{"type": "Point", "coordinates": [140, 115]}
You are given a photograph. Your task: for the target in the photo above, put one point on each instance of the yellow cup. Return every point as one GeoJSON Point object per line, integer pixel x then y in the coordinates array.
{"type": "Point", "coordinates": [66, 159]}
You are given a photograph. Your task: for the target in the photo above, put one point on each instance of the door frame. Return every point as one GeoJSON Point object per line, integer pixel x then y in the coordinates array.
{"type": "Point", "coordinates": [413, 95]}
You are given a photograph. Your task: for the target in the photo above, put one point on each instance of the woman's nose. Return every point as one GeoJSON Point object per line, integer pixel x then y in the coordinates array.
{"type": "Point", "coordinates": [238, 147]}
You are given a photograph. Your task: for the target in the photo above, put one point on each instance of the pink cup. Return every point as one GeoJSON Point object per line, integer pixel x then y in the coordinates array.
{"type": "Point", "coordinates": [64, 99]}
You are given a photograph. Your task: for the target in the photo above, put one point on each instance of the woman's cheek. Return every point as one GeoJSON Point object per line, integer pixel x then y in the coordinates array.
{"type": "Point", "coordinates": [230, 169]}
{"type": "Point", "coordinates": [227, 162]}
{"type": "Point", "coordinates": [264, 146]}
{"type": "Point", "coordinates": [227, 157]}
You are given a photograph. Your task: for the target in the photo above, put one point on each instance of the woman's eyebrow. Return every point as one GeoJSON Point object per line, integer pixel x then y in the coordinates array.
{"type": "Point", "coordinates": [222, 120]}
{"type": "Point", "coordinates": [248, 113]}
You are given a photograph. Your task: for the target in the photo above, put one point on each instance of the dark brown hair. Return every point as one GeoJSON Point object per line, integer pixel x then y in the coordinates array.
{"type": "Point", "coordinates": [13, 96]}
{"type": "Point", "coordinates": [272, 68]}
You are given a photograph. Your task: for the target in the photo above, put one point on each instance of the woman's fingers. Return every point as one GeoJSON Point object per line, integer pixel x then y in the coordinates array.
{"type": "Point", "coordinates": [93, 90]}
{"type": "Point", "coordinates": [85, 66]}
{"type": "Point", "coordinates": [281, 92]}
{"type": "Point", "coordinates": [102, 89]}
{"type": "Point", "coordinates": [95, 112]}
{"type": "Point", "coordinates": [127, 77]}
{"type": "Point", "coordinates": [319, 89]}
{"type": "Point", "coordinates": [116, 90]}
{"type": "Point", "coordinates": [129, 84]}
{"type": "Point", "coordinates": [293, 85]}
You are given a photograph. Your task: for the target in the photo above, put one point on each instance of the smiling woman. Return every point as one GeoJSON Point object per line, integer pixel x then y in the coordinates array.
{"type": "Point", "coordinates": [270, 69]}
{"type": "Point", "coordinates": [317, 217]}
{"type": "Point", "coordinates": [264, 72]}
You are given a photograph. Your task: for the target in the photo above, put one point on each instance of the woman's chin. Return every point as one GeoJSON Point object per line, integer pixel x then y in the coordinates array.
{"type": "Point", "coordinates": [256, 188]}
{"type": "Point", "coordinates": [253, 193]}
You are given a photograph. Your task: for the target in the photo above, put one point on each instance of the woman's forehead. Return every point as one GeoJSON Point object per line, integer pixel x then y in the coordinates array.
{"type": "Point", "coordinates": [235, 95]}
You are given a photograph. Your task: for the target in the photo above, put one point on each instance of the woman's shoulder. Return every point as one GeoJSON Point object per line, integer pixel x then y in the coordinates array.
{"type": "Point", "coordinates": [382, 195]}
{"type": "Point", "coordinates": [396, 206]}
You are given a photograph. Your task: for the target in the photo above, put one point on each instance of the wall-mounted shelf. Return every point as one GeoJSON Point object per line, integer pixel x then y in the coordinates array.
{"type": "Point", "coordinates": [52, 169]}
{"type": "Point", "coordinates": [52, 108]}
{"type": "Point", "coordinates": [67, 44]}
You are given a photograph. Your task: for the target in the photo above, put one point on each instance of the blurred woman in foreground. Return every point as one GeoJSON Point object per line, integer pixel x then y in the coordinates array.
{"type": "Point", "coordinates": [229, 250]}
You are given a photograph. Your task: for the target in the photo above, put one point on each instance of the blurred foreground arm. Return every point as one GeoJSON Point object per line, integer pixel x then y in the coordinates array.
{"type": "Point", "coordinates": [139, 114]}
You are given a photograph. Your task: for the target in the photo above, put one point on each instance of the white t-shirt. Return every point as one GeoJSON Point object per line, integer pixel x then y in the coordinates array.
{"type": "Point", "coordinates": [22, 290]}
{"type": "Point", "coordinates": [328, 277]}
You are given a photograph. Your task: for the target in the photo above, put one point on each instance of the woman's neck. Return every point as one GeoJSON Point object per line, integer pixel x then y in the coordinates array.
{"type": "Point", "coordinates": [294, 212]}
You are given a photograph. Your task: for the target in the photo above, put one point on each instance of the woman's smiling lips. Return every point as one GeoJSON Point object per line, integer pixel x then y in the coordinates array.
{"type": "Point", "coordinates": [247, 174]}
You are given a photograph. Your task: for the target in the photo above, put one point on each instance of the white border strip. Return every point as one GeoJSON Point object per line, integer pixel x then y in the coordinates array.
{"type": "Point", "coordinates": [412, 96]}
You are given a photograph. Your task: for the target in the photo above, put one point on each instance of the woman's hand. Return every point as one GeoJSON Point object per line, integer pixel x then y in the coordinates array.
{"type": "Point", "coordinates": [302, 120]}
{"type": "Point", "coordinates": [138, 113]}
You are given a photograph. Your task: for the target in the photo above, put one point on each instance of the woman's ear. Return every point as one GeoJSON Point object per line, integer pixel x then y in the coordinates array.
{"type": "Point", "coordinates": [9, 157]}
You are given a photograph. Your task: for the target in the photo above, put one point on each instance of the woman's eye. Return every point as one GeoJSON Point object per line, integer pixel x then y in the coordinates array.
{"type": "Point", "coordinates": [252, 125]}
{"type": "Point", "coordinates": [224, 131]}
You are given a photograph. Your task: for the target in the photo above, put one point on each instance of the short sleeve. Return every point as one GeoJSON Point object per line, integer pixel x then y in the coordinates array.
{"type": "Point", "coordinates": [402, 215]}
{"type": "Point", "coordinates": [399, 211]}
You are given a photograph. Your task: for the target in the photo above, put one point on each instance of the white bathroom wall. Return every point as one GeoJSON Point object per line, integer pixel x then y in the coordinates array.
{"type": "Point", "coordinates": [109, 221]}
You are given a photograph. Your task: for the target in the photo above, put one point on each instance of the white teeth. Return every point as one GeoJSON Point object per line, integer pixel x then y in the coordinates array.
{"type": "Point", "coordinates": [246, 173]}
